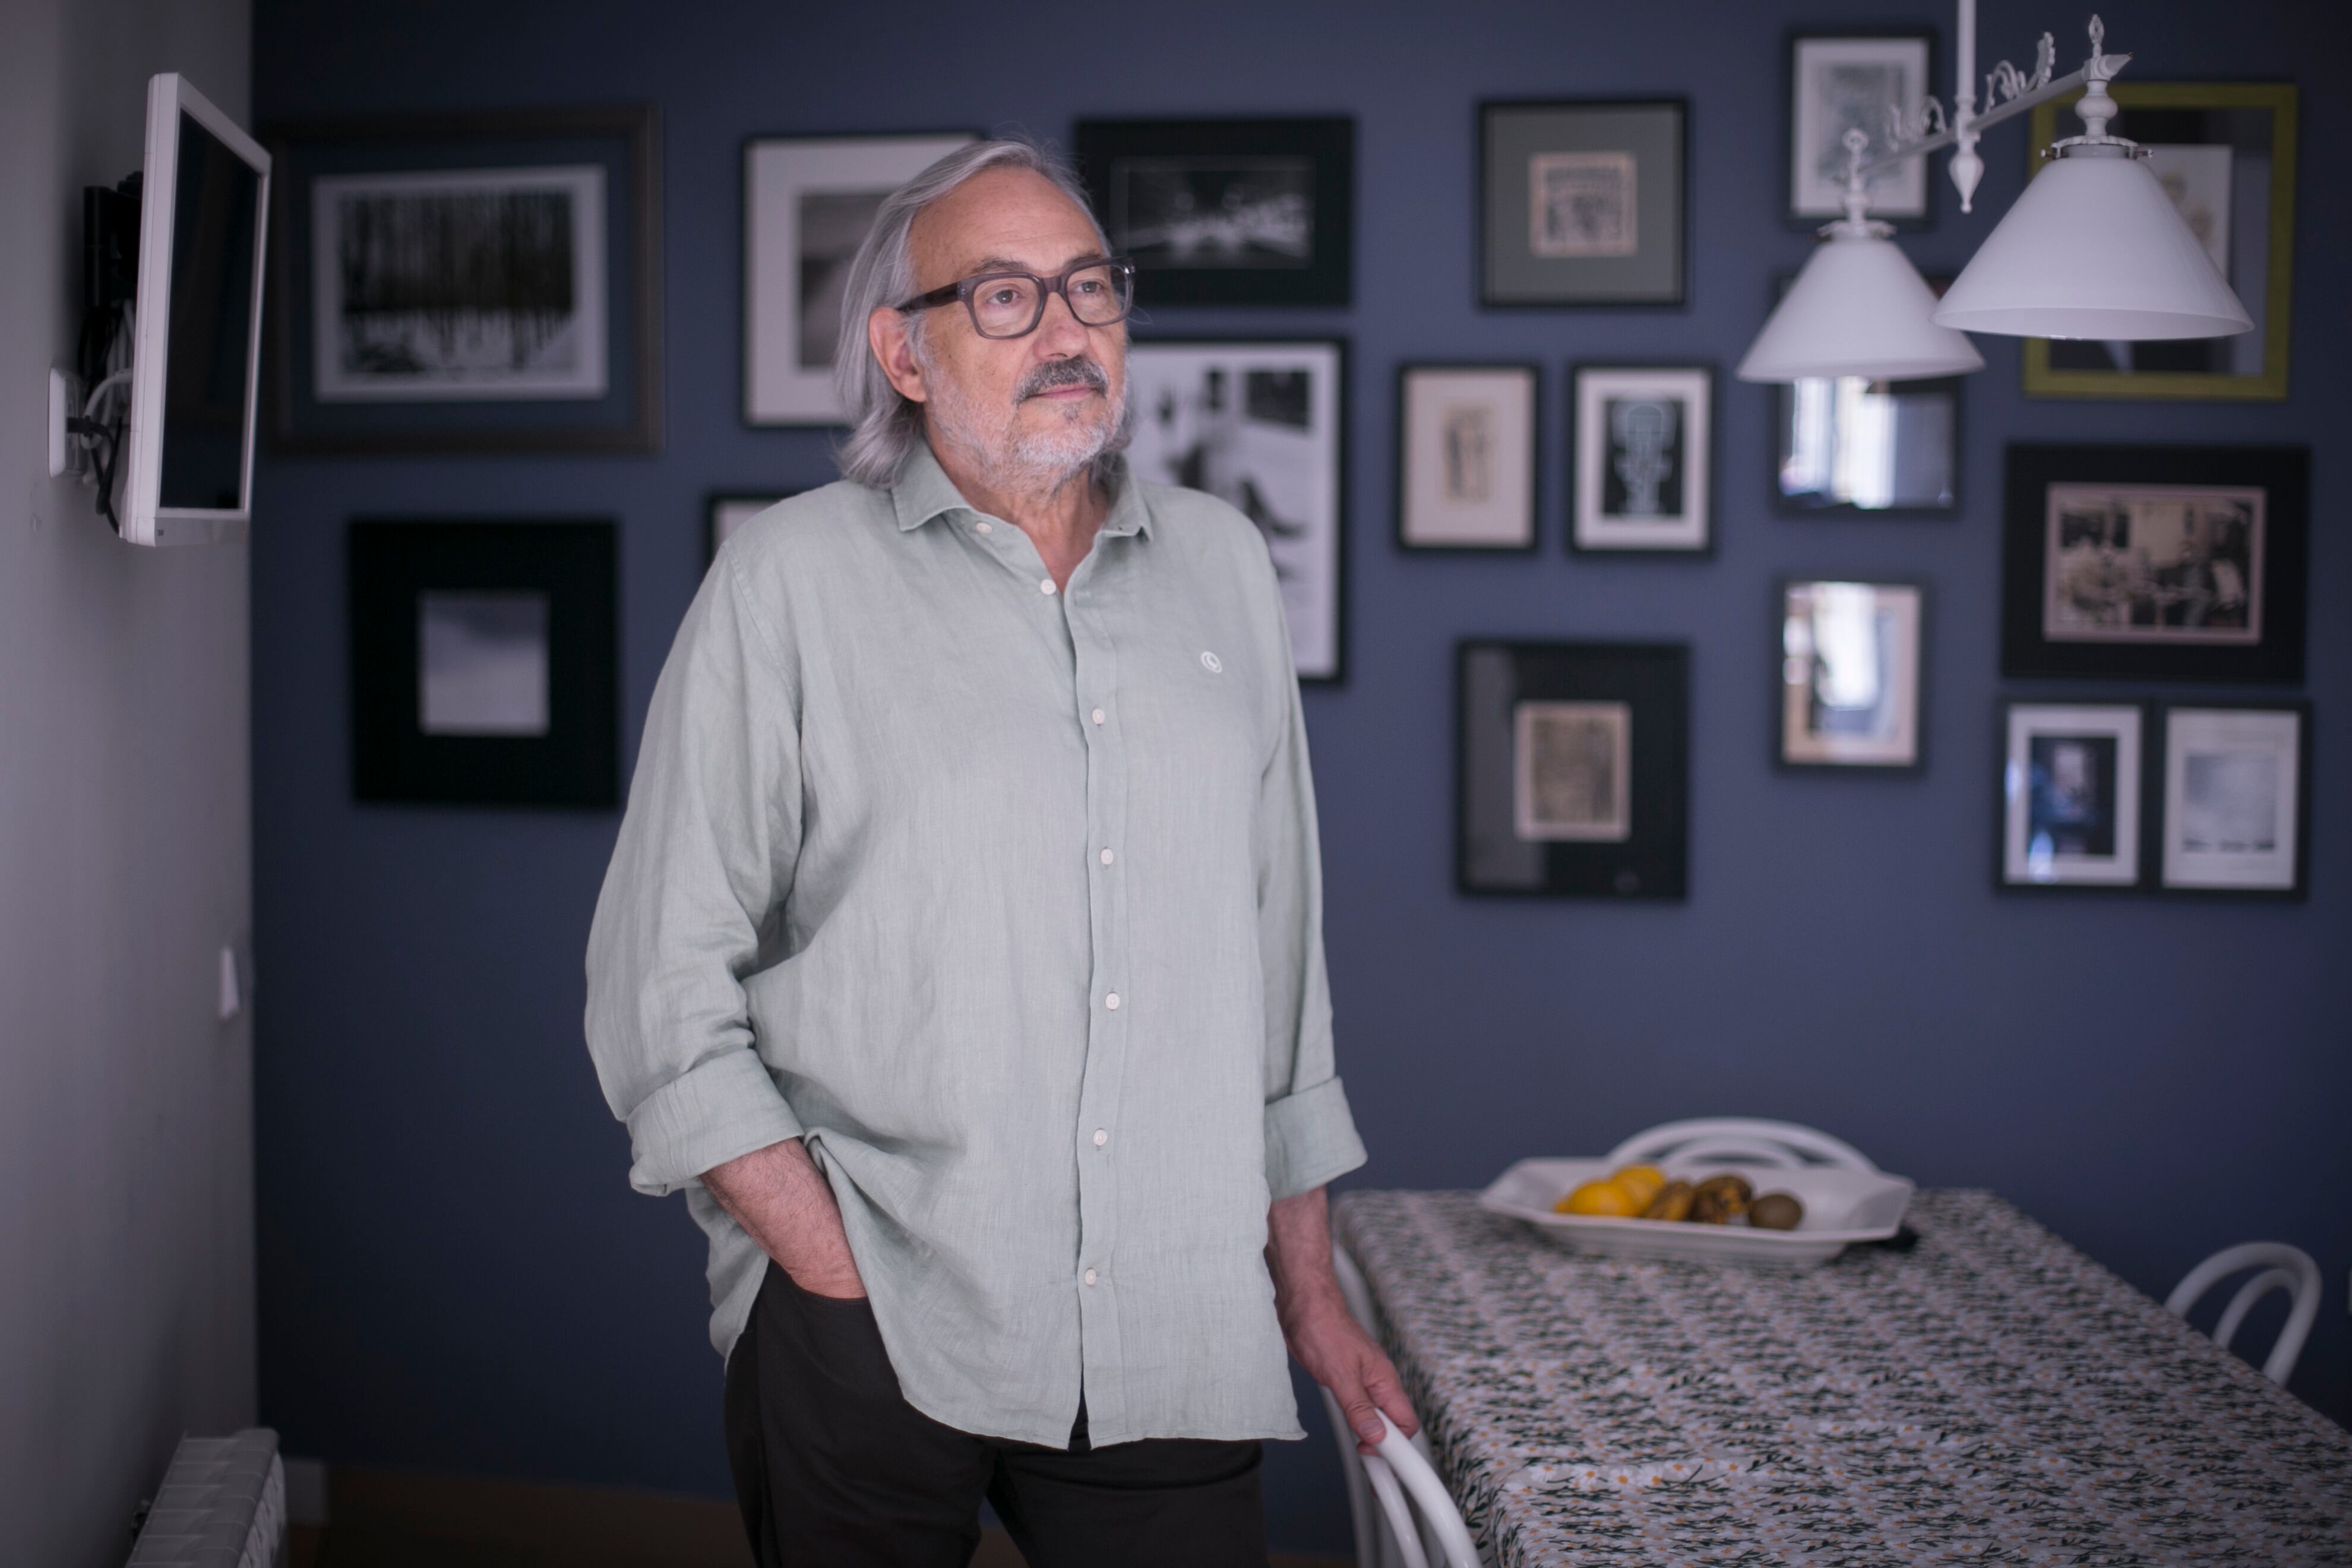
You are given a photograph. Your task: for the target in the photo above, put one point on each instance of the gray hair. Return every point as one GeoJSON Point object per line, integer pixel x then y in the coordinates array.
{"type": "Point", "coordinates": [884, 428]}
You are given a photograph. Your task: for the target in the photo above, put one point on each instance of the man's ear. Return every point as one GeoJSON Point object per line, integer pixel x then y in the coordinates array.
{"type": "Point", "coordinates": [894, 350]}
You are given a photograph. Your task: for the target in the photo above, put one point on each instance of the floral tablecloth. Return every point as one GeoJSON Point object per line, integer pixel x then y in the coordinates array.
{"type": "Point", "coordinates": [1988, 1397]}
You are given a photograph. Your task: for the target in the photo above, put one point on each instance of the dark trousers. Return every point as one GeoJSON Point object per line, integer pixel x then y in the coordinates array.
{"type": "Point", "coordinates": [836, 1469]}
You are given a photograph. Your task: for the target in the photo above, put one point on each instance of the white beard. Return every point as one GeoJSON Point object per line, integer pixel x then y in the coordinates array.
{"type": "Point", "coordinates": [1017, 461]}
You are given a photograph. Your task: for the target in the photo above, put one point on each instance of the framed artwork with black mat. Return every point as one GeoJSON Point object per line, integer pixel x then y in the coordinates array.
{"type": "Point", "coordinates": [485, 665]}
{"type": "Point", "coordinates": [2155, 562]}
{"type": "Point", "coordinates": [1572, 772]}
{"type": "Point", "coordinates": [1583, 202]}
{"type": "Point", "coordinates": [2072, 796]}
{"type": "Point", "coordinates": [1642, 458]}
{"type": "Point", "coordinates": [1227, 212]}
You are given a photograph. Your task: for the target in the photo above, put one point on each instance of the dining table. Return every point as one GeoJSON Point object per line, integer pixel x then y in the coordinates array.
{"type": "Point", "coordinates": [1973, 1390]}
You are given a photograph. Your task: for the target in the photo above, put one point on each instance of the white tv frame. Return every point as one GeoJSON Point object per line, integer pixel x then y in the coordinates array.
{"type": "Point", "coordinates": [145, 523]}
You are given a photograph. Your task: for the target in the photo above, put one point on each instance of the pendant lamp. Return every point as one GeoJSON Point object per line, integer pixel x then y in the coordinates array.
{"type": "Point", "coordinates": [1857, 309]}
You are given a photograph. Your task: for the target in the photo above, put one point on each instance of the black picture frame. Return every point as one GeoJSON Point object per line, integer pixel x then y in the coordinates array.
{"type": "Point", "coordinates": [1404, 446]}
{"type": "Point", "coordinates": [1649, 137]}
{"type": "Point", "coordinates": [1126, 163]}
{"type": "Point", "coordinates": [2032, 536]}
{"type": "Point", "coordinates": [1906, 760]}
{"type": "Point", "coordinates": [623, 142]}
{"type": "Point", "coordinates": [723, 512]}
{"type": "Point", "coordinates": [570, 567]}
{"type": "Point", "coordinates": [1585, 532]}
{"type": "Point", "coordinates": [2166, 872]}
{"type": "Point", "coordinates": [1948, 391]}
{"type": "Point", "coordinates": [1901, 216]}
{"type": "Point", "coordinates": [1632, 698]}
{"type": "Point", "coordinates": [2015, 780]}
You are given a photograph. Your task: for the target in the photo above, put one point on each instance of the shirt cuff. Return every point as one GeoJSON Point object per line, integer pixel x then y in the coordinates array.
{"type": "Point", "coordinates": [716, 1109]}
{"type": "Point", "coordinates": [1309, 1139]}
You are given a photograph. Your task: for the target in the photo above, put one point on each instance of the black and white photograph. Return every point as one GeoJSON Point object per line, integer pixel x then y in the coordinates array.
{"type": "Point", "coordinates": [1234, 212]}
{"type": "Point", "coordinates": [2071, 796]}
{"type": "Point", "coordinates": [1850, 678]}
{"type": "Point", "coordinates": [468, 284]}
{"type": "Point", "coordinates": [1582, 203]}
{"type": "Point", "coordinates": [1643, 466]}
{"type": "Point", "coordinates": [2234, 799]}
{"type": "Point", "coordinates": [1258, 425]}
{"type": "Point", "coordinates": [1840, 82]}
{"type": "Point", "coordinates": [2174, 563]}
{"type": "Point", "coordinates": [1466, 456]}
{"type": "Point", "coordinates": [727, 510]}
{"type": "Point", "coordinates": [485, 662]}
{"type": "Point", "coordinates": [1573, 769]}
{"type": "Point", "coordinates": [808, 204]}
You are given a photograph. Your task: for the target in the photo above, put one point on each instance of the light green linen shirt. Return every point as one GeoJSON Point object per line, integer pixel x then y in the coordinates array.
{"type": "Point", "coordinates": [1008, 901]}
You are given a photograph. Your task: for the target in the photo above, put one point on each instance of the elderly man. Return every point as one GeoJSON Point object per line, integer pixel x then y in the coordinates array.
{"type": "Point", "coordinates": [960, 958]}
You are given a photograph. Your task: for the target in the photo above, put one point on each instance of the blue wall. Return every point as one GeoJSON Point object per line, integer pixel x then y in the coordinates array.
{"type": "Point", "coordinates": [455, 1275]}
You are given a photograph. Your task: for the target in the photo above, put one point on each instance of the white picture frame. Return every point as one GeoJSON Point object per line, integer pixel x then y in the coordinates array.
{"type": "Point", "coordinates": [2071, 795]}
{"type": "Point", "coordinates": [1848, 82]}
{"type": "Point", "coordinates": [2234, 809]}
{"type": "Point", "coordinates": [1642, 475]}
{"type": "Point", "coordinates": [808, 202]}
{"type": "Point", "coordinates": [1850, 674]}
{"type": "Point", "coordinates": [1466, 456]}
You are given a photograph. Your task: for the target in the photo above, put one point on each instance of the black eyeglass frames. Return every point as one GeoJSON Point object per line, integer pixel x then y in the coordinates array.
{"type": "Point", "coordinates": [1100, 293]}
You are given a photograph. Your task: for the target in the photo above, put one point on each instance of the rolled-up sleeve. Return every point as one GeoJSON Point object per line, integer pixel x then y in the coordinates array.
{"type": "Point", "coordinates": [705, 855]}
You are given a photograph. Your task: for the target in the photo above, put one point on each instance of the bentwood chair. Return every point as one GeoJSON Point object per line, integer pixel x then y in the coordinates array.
{"type": "Point", "coordinates": [1403, 1514]}
{"type": "Point", "coordinates": [1739, 1139]}
{"type": "Point", "coordinates": [2283, 1267]}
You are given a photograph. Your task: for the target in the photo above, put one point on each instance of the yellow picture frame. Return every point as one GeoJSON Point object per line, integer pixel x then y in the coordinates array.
{"type": "Point", "coordinates": [2270, 384]}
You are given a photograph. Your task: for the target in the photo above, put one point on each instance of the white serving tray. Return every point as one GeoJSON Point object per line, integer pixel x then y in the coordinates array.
{"type": "Point", "coordinates": [1841, 1206]}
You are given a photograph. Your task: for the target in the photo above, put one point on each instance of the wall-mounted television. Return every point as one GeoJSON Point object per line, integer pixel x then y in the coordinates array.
{"type": "Point", "coordinates": [196, 345]}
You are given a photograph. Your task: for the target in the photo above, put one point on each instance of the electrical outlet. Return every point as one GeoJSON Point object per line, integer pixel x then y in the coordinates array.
{"type": "Point", "coordinates": [69, 454]}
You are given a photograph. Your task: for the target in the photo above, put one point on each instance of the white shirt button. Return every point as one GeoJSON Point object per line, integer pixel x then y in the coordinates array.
{"type": "Point", "coordinates": [1101, 1137]}
{"type": "Point", "coordinates": [984, 528]}
{"type": "Point", "coordinates": [1111, 1000]}
{"type": "Point", "coordinates": [1046, 586]}
{"type": "Point", "coordinates": [1090, 1276]}
{"type": "Point", "coordinates": [1106, 857]}
{"type": "Point", "coordinates": [1097, 715]}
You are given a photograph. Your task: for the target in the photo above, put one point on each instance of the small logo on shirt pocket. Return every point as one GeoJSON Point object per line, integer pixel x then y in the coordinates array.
{"type": "Point", "coordinates": [1212, 663]}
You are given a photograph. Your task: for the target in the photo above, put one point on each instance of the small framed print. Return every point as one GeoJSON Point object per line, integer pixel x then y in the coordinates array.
{"type": "Point", "coordinates": [1466, 456]}
{"type": "Point", "coordinates": [2070, 795]}
{"type": "Point", "coordinates": [485, 665]}
{"type": "Point", "coordinates": [1848, 690]}
{"type": "Point", "coordinates": [1227, 212]}
{"type": "Point", "coordinates": [808, 204]}
{"type": "Point", "coordinates": [729, 510]}
{"type": "Point", "coordinates": [2155, 562]}
{"type": "Point", "coordinates": [1582, 203]}
{"type": "Point", "coordinates": [1642, 473]}
{"type": "Point", "coordinates": [2237, 799]}
{"type": "Point", "coordinates": [1573, 769]}
{"type": "Point", "coordinates": [1847, 81]}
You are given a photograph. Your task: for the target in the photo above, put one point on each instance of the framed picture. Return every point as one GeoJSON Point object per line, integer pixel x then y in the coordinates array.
{"type": "Point", "coordinates": [478, 283]}
{"type": "Point", "coordinates": [2155, 562]}
{"type": "Point", "coordinates": [1260, 424]}
{"type": "Point", "coordinates": [1227, 212]}
{"type": "Point", "coordinates": [1582, 203]}
{"type": "Point", "coordinates": [728, 510]}
{"type": "Point", "coordinates": [808, 204]}
{"type": "Point", "coordinates": [1849, 688]}
{"type": "Point", "coordinates": [1848, 445]}
{"type": "Point", "coordinates": [2070, 795]}
{"type": "Point", "coordinates": [1466, 456]}
{"type": "Point", "coordinates": [2226, 153]}
{"type": "Point", "coordinates": [2237, 799]}
{"type": "Point", "coordinates": [1573, 772]}
{"type": "Point", "coordinates": [1855, 81]}
{"type": "Point", "coordinates": [485, 663]}
{"type": "Point", "coordinates": [1641, 466]}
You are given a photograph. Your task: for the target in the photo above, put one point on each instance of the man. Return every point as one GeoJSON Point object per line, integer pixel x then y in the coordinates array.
{"type": "Point", "coordinates": [961, 957]}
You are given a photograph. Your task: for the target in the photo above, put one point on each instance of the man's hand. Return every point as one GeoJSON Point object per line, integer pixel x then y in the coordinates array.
{"type": "Point", "coordinates": [1329, 1343]}
{"type": "Point", "coordinates": [779, 1195]}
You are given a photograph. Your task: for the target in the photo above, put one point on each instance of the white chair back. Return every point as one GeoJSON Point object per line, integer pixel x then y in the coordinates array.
{"type": "Point", "coordinates": [1740, 1139]}
{"type": "Point", "coordinates": [2283, 1267]}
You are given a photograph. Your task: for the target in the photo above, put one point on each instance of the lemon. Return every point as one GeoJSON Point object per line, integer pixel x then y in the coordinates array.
{"type": "Point", "coordinates": [1604, 1198]}
{"type": "Point", "coordinates": [1645, 1181]}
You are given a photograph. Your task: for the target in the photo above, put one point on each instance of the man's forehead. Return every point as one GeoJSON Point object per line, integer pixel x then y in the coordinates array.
{"type": "Point", "coordinates": [1011, 218]}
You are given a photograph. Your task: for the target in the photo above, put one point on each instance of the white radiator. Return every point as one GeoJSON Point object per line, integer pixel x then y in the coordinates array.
{"type": "Point", "coordinates": [222, 1505]}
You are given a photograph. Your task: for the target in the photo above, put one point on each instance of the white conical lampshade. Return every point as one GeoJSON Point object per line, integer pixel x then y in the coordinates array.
{"type": "Point", "coordinates": [2094, 249]}
{"type": "Point", "coordinates": [1857, 309]}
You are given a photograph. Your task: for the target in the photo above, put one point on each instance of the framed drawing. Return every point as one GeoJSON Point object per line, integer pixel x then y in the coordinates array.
{"type": "Point", "coordinates": [1642, 458]}
{"type": "Point", "coordinates": [1466, 456]}
{"type": "Point", "coordinates": [808, 204]}
{"type": "Point", "coordinates": [476, 283]}
{"type": "Point", "coordinates": [2155, 562]}
{"type": "Point", "coordinates": [1227, 212]}
{"type": "Point", "coordinates": [2226, 153]}
{"type": "Point", "coordinates": [2237, 799]}
{"type": "Point", "coordinates": [485, 665]}
{"type": "Point", "coordinates": [1864, 81]}
{"type": "Point", "coordinates": [1262, 426]}
{"type": "Point", "coordinates": [2070, 795]}
{"type": "Point", "coordinates": [1572, 776]}
{"type": "Point", "coordinates": [1848, 445]}
{"type": "Point", "coordinates": [728, 510]}
{"type": "Point", "coordinates": [1849, 686]}
{"type": "Point", "coordinates": [1582, 203]}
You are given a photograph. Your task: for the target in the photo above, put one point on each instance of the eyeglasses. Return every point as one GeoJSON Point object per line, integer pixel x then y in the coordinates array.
{"type": "Point", "coordinates": [1011, 304]}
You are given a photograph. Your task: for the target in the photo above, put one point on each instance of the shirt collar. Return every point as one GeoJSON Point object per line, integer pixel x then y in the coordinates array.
{"type": "Point", "coordinates": [923, 490]}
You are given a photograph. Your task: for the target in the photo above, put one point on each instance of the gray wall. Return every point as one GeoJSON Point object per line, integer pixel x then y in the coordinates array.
{"type": "Point", "coordinates": [126, 1164]}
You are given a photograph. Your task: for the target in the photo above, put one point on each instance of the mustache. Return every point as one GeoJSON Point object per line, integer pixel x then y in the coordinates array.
{"type": "Point", "coordinates": [1078, 372]}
